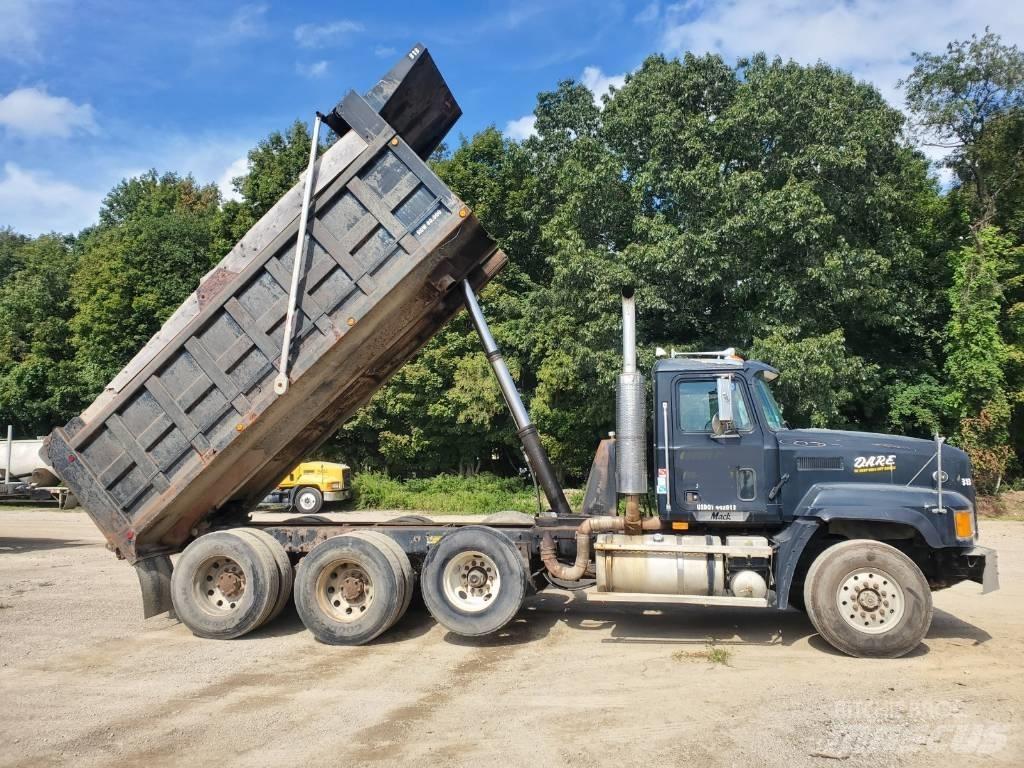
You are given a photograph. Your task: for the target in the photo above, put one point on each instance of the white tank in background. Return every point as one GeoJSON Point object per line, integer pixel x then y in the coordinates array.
{"type": "Point", "coordinates": [25, 458]}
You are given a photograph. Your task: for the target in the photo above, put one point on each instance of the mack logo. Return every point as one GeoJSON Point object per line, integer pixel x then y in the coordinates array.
{"type": "Point", "coordinates": [720, 516]}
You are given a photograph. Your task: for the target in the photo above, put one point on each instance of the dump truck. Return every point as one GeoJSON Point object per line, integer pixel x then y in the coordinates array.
{"type": "Point", "coordinates": [338, 285]}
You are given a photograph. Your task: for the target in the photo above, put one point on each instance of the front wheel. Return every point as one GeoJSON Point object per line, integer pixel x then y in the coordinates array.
{"type": "Point", "coordinates": [868, 599]}
{"type": "Point", "coordinates": [308, 500]}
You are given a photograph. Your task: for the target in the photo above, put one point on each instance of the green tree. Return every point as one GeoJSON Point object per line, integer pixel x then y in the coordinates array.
{"type": "Point", "coordinates": [39, 386]}
{"type": "Point", "coordinates": [958, 98]}
{"type": "Point", "coordinates": [153, 243]}
{"type": "Point", "coordinates": [970, 100]}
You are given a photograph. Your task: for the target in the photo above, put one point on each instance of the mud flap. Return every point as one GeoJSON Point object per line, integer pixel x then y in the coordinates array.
{"type": "Point", "coordinates": [155, 582]}
{"type": "Point", "coordinates": [990, 571]}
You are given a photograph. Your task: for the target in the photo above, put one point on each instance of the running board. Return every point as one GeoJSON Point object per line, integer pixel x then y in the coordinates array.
{"type": "Point", "coordinates": [648, 597]}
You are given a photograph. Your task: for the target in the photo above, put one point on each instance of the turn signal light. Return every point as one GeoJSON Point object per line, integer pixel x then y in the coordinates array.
{"type": "Point", "coordinates": [963, 521]}
{"type": "Point", "coordinates": [680, 526]}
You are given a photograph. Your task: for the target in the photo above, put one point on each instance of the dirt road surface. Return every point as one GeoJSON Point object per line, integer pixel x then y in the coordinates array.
{"type": "Point", "coordinates": [84, 682]}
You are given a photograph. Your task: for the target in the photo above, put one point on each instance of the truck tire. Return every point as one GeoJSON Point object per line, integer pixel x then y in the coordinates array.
{"type": "Point", "coordinates": [474, 581]}
{"type": "Point", "coordinates": [307, 520]}
{"type": "Point", "coordinates": [868, 599]}
{"type": "Point", "coordinates": [224, 585]}
{"type": "Point", "coordinates": [284, 568]}
{"type": "Point", "coordinates": [308, 500]}
{"type": "Point", "coordinates": [401, 560]}
{"type": "Point", "coordinates": [408, 519]}
{"type": "Point", "coordinates": [349, 590]}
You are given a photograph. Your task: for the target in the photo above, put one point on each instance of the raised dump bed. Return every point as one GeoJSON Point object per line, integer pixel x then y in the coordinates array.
{"type": "Point", "coordinates": [192, 426]}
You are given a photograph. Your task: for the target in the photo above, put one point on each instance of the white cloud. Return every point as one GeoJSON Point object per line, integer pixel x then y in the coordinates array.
{"type": "Point", "coordinates": [871, 38]}
{"type": "Point", "coordinates": [33, 202]}
{"type": "Point", "coordinates": [32, 112]}
{"type": "Point", "coordinates": [599, 83]}
{"type": "Point", "coordinates": [23, 24]}
{"type": "Point", "coordinates": [248, 22]}
{"type": "Point", "coordinates": [521, 129]}
{"type": "Point", "coordinates": [215, 158]}
{"type": "Point", "coordinates": [385, 51]}
{"type": "Point", "coordinates": [316, 69]}
{"type": "Point", "coordinates": [320, 35]}
{"type": "Point", "coordinates": [648, 14]}
{"type": "Point", "coordinates": [239, 167]}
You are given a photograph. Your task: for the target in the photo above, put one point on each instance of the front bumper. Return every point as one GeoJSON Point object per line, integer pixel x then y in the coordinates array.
{"type": "Point", "coordinates": [338, 495]}
{"type": "Point", "coordinates": [951, 565]}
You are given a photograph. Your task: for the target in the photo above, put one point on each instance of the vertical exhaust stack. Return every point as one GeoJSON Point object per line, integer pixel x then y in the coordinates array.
{"type": "Point", "coordinates": [540, 464]}
{"type": "Point", "coordinates": [630, 424]}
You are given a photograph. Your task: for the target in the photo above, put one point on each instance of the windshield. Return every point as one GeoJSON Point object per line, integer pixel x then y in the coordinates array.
{"type": "Point", "coordinates": [772, 411]}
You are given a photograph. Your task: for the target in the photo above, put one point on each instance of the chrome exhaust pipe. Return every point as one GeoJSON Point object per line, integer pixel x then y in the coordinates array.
{"type": "Point", "coordinates": [630, 410]}
{"type": "Point", "coordinates": [630, 421]}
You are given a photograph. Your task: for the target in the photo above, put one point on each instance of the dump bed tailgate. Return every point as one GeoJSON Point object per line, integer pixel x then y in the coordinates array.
{"type": "Point", "coordinates": [192, 425]}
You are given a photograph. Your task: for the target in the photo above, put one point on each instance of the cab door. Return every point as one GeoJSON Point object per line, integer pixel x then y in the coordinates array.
{"type": "Point", "coordinates": [719, 478]}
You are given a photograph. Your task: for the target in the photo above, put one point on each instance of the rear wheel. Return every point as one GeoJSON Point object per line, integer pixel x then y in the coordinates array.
{"type": "Point", "coordinates": [474, 581]}
{"type": "Point", "coordinates": [284, 567]}
{"type": "Point", "coordinates": [308, 500]}
{"type": "Point", "coordinates": [404, 567]}
{"type": "Point", "coordinates": [868, 599]}
{"type": "Point", "coordinates": [349, 590]}
{"type": "Point", "coordinates": [224, 585]}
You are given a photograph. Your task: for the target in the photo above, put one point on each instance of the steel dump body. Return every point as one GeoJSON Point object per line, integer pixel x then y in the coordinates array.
{"type": "Point", "coordinates": [192, 425]}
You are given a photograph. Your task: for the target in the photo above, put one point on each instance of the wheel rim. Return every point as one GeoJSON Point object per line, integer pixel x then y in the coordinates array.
{"type": "Point", "coordinates": [307, 501]}
{"type": "Point", "coordinates": [219, 585]}
{"type": "Point", "coordinates": [344, 591]}
{"type": "Point", "coordinates": [870, 600]}
{"type": "Point", "coordinates": [471, 581]}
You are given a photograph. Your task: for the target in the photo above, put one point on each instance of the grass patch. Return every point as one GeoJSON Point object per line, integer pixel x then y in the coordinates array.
{"type": "Point", "coordinates": [448, 494]}
{"type": "Point", "coordinates": [712, 654]}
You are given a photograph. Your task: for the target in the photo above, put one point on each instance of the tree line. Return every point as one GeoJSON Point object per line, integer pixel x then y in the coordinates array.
{"type": "Point", "coordinates": [783, 209]}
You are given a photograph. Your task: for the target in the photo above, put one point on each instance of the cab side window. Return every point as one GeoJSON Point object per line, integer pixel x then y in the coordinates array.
{"type": "Point", "coordinates": [697, 405]}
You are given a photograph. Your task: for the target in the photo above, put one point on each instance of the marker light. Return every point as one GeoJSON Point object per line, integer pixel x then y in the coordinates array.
{"type": "Point", "coordinates": [963, 522]}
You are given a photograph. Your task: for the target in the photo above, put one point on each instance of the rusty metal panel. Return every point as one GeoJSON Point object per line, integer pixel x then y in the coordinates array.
{"type": "Point", "coordinates": [192, 425]}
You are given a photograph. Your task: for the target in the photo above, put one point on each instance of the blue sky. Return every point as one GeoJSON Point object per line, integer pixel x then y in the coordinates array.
{"type": "Point", "coordinates": [91, 92]}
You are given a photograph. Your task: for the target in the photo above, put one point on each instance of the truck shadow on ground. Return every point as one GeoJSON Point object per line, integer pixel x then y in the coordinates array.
{"type": "Point", "coordinates": [669, 625]}
{"type": "Point", "coordinates": [18, 544]}
{"type": "Point", "coordinates": [682, 625]}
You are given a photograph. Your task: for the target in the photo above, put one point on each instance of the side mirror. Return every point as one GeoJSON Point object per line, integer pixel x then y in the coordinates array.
{"type": "Point", "coordinates": [724, 385]}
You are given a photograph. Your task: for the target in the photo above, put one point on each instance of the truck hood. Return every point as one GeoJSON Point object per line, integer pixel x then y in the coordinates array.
{"type": "Point", "coordinates": [840, 455]}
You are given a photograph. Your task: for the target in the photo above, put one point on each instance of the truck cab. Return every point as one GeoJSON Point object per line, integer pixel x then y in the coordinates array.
{"type": "Point", "coordinates": [726, 460]}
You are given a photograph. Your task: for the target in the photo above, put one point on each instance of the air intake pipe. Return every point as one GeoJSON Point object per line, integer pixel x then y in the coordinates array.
{"type": "Point", "coordinates": [630, 420]}
{"type": "Point", "coordinates": [540, 464]}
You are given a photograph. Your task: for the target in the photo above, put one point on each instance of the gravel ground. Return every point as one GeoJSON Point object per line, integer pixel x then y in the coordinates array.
{"type": "Point", "coordinates": [85, 682]}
